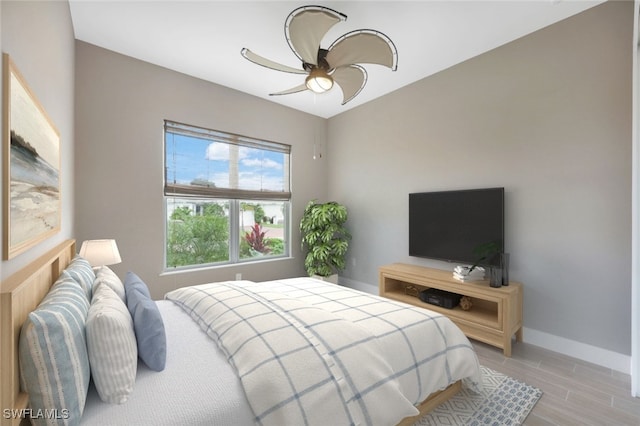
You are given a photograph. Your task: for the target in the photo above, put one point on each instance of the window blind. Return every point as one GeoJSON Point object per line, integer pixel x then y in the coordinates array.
{"type": "Point", "coordinates": [203, 162]}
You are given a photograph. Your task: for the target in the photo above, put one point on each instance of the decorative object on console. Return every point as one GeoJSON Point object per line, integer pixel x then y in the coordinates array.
{"type": "Point", "coordinates": [304, 29]}
{"type": "Point", "coordinates": [466, 303]}
{"type": "Point", "coordinates": [504, 263]}
{"type": "Point", "coordinates": [486, 254]}
{"type": "Point", "coordinates": [31, 167]}
{"type": "Point", "coordinates": [467, 273]}
{"type": "Point", "coordinates": [324, 238]}
{"type": "Point", "coordinates": [100, 252]}
{"type": "Point", "coordinates": [412, 290]}
{"type": "Point", "coordinates": [495, 276]}
{"type": "Point", "coordinates": [492, 256]}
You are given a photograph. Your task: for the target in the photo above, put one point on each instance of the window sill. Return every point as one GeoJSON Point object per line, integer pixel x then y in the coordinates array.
{"type": "Point", "coordinates": [192, 269]}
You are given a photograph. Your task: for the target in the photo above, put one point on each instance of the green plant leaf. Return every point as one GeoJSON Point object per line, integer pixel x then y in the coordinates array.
{"type": "Point", "coordinates": [325, 240]}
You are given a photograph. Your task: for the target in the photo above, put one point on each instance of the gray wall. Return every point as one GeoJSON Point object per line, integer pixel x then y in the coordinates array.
{"type": "Point", "coordinates": [549, 118]}
{"type": "Point", "coordinates": [121, 104]}
{"type": "Point", "coordinates": [39, 38]}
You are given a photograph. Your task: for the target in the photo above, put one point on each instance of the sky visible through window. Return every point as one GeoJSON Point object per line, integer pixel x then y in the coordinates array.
{"type": "Point", "coordinates": [198, 161]}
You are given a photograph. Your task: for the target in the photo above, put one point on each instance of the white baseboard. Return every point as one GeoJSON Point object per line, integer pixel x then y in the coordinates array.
{"type": "Point", "coordinates": [367, 288]}
{"type": "Point", "coordinates": [572, 348]}
{"type": "Point", "coordinates": [593, 354]}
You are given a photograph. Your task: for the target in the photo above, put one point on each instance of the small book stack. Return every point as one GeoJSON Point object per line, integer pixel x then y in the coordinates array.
{"type": "Point", "coordinates": [464, 273]}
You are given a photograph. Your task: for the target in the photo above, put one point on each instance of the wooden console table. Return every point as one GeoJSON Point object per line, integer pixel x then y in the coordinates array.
{"type": "Point", "coordinates": [496, 314]}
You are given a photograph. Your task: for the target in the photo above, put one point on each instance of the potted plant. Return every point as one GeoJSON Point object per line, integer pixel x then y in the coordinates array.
{"type": "Point", "coordinates": [487, 254]}
{"type": "Point", "coordinates": [325, 240]}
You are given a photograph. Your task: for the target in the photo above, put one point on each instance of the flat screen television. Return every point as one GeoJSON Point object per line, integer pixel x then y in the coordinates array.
{"type": "Point", "coordinates": [451, 225]}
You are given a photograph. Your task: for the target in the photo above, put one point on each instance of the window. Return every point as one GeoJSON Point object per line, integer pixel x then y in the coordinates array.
{"type": "Point", "coordinates": [226, 197]}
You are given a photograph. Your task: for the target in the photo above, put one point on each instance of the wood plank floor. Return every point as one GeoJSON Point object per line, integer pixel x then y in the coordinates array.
{"type": "Point", "coordinates": [575, 392]}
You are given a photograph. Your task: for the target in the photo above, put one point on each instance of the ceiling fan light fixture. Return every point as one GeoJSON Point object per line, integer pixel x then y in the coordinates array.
{"type": "Point", "coordinates": [318, 81]}
{"type": "Point", "coordinates": [338, 65]}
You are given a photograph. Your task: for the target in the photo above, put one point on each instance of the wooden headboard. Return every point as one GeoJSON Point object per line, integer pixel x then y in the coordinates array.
{"type": "Point", "coordinates": [20, 294]}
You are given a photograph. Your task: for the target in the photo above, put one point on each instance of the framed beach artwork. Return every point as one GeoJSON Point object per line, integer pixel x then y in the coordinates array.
{"type": "Point", "coordinates": [31, 166]}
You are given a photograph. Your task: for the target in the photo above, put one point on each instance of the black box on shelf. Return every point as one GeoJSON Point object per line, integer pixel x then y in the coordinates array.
{"type": "Point", "coordinates": [441, 298]}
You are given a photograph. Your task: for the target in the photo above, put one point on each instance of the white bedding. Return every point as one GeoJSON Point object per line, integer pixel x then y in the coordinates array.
{"type": "Point", "coordinates": [178, 395]}
{"type": "Point", "coordinates": [283, 330]}
{"type": "Point", "coordinates": [299, 364]}
{"type": "Point", "coordinates": [411, 336]}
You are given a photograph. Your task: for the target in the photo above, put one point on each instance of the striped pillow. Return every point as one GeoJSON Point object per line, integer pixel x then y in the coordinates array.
{"type": "Point", "coordinates": [111, 342]}
{"type": "Point", "coordinates": [81, 271]}
{"type": "Point", "coordinates": [108, 277]}
{"type": "Point", "coordinates": [54, 366]}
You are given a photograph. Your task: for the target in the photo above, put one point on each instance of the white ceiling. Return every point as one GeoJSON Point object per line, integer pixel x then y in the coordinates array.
{"type": "Point", "coordinates": [204, 38]}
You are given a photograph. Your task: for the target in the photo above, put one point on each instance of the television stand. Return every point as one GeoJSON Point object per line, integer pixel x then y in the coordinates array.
{"type": "Point", "coordinates": [494, 318]}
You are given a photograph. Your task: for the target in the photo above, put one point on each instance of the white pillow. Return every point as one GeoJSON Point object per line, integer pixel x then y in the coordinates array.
{"type": "Point", "coordinates": [111, 343]}
{"type": "Point", "coordinates": [104, 275]}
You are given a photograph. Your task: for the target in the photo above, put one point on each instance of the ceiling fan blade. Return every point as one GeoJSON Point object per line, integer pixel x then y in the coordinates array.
{"type": "Point", "coordinates": [257, 59]}
{"type": "Point", "coordinates": [296, 89]}
{"type": "Point", "coordinates": [363, 47]}
{"type": "Point", "coordinates": [351, 80]}
{"type": "Point", "coordinates": [306, 26]}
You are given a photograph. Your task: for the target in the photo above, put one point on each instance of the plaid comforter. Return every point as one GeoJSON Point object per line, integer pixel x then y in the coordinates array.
{"type": "Point", "coordinates": [308, 352]}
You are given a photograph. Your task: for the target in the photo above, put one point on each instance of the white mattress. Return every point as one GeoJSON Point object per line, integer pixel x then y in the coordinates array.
{"type": "Point", "coordinates": [179, 395]}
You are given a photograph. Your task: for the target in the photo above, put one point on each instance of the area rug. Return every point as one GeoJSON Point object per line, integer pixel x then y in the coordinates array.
{"type": "Point", "coordinates": [503, 401]}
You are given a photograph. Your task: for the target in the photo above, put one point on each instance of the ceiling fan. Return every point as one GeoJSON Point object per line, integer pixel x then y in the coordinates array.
{"type": "Point", "coordinates": [338, 64]}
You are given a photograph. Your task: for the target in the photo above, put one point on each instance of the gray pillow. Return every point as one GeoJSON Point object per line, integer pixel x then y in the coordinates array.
{"type": "Point", "coordinates": [147, 323]}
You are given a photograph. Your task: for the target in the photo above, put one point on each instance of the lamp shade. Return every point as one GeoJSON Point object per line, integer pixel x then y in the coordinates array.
{"type": "Point", "coordinates": [100, 252]}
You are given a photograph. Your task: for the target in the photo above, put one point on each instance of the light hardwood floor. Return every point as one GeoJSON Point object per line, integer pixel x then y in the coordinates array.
{"type": "Point", "coordinates": [575, 392]}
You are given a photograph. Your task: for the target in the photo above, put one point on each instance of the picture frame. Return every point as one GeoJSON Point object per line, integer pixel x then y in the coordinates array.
{"type": "Point", "coordinates": [31, 185]}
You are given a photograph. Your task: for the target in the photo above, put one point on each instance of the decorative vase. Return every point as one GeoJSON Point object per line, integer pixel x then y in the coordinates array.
{"type": "Point", "coordinates": [504, 263]}
{"type": "Point", "coordinates": [495, 276]}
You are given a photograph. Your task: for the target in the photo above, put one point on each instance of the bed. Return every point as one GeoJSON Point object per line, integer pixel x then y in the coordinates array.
{"type": "Point", "coordinates": [183, 392]}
